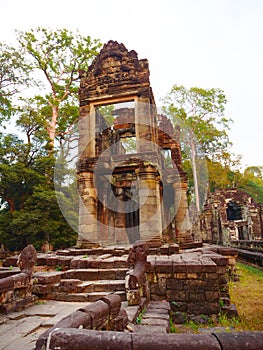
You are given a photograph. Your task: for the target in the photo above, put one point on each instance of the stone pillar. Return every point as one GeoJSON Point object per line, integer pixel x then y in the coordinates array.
{"type": "Point", "coordinates": [145, 140]}
{"type": "Point", "coordinates": [88, 228]}
{"type": "Point", "coordinates": [150, 206]}
{"type": "Point", "coordinates": [182, 221]}
{"type": "Point", "coordinates": [87, 122]}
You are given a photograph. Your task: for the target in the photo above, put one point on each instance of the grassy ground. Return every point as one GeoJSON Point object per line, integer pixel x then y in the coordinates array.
{"type": "Point", "coordinates": [247, 295]}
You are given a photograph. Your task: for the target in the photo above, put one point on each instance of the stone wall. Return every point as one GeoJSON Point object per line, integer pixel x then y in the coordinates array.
{"type": "Point", "coordinates": [194, 283]}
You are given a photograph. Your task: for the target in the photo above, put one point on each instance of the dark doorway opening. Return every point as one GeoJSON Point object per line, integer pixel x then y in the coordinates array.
{"type": "Point", "coordinates": [233, 211]}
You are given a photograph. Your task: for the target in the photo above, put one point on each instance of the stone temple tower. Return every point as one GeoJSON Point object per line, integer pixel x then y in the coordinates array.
{"type": "Point", "coordinates": [130, 178]}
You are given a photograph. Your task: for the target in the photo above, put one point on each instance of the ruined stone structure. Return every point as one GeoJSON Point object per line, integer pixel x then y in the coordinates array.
{"type": "Point", "coordinates": [130, 176]}
{"type": "Point", "coordinates": [230, 215]}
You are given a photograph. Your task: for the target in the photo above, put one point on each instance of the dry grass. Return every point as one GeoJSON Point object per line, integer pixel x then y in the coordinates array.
{"type": "Point", "coordinates": [247, 295]}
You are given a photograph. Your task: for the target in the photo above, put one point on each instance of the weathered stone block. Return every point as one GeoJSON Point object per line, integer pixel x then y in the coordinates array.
{"type": "Point", "coordinates": [198, 308]}
{"type": "Point", "coordinates": [212, 296]}
{"type": "Point", "coordinates": [211, 285]}
{"type": "Point", "coordinates": [163, 266]}
{"type": "Point", "coordinates": [176, 295]}
{"type": "Point", "coordinates": [42, 288]}
{"type": "Point", "coordinates": [196, 297]}
{"type": "Point", "coordinates": [179, 267]}
{"type": "Point", "coordinates": [179, 306]}
{"type": "Point", "coordinates": [52, 261]}
{"type": "Point", "coordinates": [211, 276]}
{"type": "Point", "coordinates": [173, 283]}
{"type": "Point", "coordinates": [162, 283]}
{"type": "Point", "coordinates": [82, 274]}
{"type": "Point", "coordinates": [222, 279]}
{"type": "Point", "coordinates": [194, 267]}
{"type": "Point", "coordinates": [47, 277]}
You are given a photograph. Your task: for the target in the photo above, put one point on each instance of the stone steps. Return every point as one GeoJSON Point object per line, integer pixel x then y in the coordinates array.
{"type": "Point", "coordinates": [156, 318]}
{"type": "Point", "coordinates": [134, 311]}
{"type": "Point", "coordinates": [91, 274]}
{"type": "Point", "coordinates": [80, 284]}
{"type": "Point", "coordinates": [83, 297]}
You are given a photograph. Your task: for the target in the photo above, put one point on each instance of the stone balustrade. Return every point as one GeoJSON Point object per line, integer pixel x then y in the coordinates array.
{"type": "Point", "coordinates": [16, 290]}
{"type": "Point", "coordinates": [104, 314]}
{"type": "Point", "coordinates": [69, 339]}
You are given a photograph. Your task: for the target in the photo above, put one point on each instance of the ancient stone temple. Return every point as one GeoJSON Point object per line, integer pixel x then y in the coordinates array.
{"type": "Point", "coordinates": [229, 215]}
{"type": "Point", "coordinates": [130, 177]}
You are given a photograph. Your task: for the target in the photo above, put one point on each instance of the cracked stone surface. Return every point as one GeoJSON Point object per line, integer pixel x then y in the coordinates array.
{"type": "Point", "coordinates": [20, 330]}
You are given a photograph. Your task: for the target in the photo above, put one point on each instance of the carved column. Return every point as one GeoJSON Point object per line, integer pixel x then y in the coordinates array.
{"type": "Point", "coordinates": [150, 206]}
{"type": "Point", "coordinates": [182, 221]}
{"type": "Point", "coordinates": [88, 228]}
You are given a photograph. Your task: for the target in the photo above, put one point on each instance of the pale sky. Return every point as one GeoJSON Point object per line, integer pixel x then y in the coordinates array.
{"type": "Point", "coordinates": [203, 43]}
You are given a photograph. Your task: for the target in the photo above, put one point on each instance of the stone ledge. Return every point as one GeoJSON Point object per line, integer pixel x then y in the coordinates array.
{"type": "Point", "coordinates": [83, 339]}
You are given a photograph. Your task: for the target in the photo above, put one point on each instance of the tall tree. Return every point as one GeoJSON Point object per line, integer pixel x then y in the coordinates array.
{"type": "Point", "coordinates": [58, 55]}
{"type": "Point", "coordinates": [202, 112]}
{"type": "Point", "coordinates": [13, 77]}
{"type": "Point", "coordinates": [29, 212]}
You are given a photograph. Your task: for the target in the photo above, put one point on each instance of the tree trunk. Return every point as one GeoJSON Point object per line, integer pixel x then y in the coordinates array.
{"type": "Point", "coordinates": [197, 197]}
{"type": "Point", "coordinates": [52, 125]}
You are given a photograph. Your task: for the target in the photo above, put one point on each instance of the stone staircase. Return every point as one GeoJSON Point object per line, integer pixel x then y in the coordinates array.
{"type": "Point", "coordinates": [83, 275]}
{"type": "Point", "coordinates": [154, 318]}
{"type": "Point", "coordinates": [80, 285]}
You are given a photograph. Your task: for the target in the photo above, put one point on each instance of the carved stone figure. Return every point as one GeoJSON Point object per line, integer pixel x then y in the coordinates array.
{"type": "Point", "coordinates": [27, 260]}
{"type": "Point", "coordinates": [136, 283]}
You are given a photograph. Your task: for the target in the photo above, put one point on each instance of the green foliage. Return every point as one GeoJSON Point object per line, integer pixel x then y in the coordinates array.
{"type": "Point", "coordinates": [202, 112]}
{"type": "Point", "coordinates": [172, 326]}
{"type": "Point", "coordinates": [29, 210]}
{"type": "Point", "coordinates": [58, 55]}
{"type": "Point", "coordinates": [193, 325]}
{"type": "Point", "coordinates": [139, 317]}
{"type": "Point", "coordinates": [252, 183]}
{"type": "Point", "coordinates": [13, 76]}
